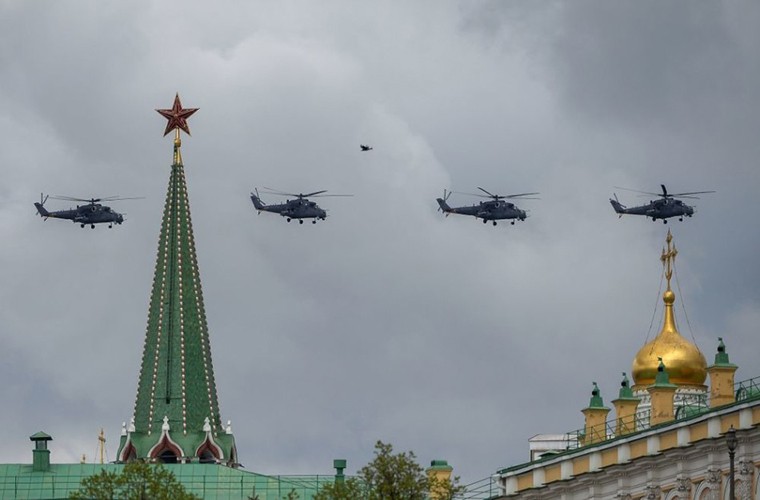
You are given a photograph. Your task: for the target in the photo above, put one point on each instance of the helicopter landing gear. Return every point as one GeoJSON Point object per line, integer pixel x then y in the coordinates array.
{"type": "Point", "coordinates": [81, 225]}
{"type": "Point", "coordinates": [494, 223]}
{"type": "Point", "coordinates": [300, 221]}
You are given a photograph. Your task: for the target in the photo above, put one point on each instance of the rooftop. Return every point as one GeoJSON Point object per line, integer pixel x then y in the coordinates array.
{"type": "Point", "coordinates": [209, 481]}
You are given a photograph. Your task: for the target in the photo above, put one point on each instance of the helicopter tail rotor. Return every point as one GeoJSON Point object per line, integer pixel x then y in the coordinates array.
{"type": "Point", "coordinates": [257, 201]}
{"type": "Point", "coordinates": [442, 205]}
{"type": "Point", "coordinates": [41, 207]}
{"type": "Point", "coordinates": [619, 208]}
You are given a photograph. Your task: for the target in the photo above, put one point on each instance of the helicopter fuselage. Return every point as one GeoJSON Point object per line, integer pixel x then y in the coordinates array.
{"type": "Point", "coordinates": [300, 208]}
{"type": "Point", "coordinates": [657, 209]}
{"type": "Point", "coordinates": [90, 214]}
{"type": "Point", "coordinates": [486, 210]}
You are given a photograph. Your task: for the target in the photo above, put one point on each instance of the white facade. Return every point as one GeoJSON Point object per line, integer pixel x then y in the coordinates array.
{"type": "Point", "coordinates": [695, 464]}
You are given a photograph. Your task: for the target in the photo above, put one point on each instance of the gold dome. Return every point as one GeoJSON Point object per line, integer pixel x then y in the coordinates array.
{"type": "Point", "coordinates": [684, 361]}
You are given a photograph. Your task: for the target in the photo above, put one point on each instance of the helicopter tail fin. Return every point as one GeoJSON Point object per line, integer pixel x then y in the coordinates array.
{"type": "Point", "coordinates": [443, 206]}
{"type": "Point", "coordinates": [42, 210]}
{"type": "Point", "coordinates": [257, 202]}
{"type": "Point", "coordinates": [619, 207]}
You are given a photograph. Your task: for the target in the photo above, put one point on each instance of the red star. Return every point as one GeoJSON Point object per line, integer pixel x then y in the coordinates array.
{"type": "Point", "coordinates": [177, 116]}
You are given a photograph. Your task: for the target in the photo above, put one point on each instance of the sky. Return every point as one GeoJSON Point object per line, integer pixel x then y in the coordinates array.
{"type": "Point", "coordinates": [388, 321]}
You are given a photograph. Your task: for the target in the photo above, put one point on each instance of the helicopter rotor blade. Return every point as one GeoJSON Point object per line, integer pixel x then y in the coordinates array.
{"type": "Point", "coordinates": [70, 198]}
{"type": "Point", "coordinates": [295, 195]}
{"type": "Point", "coordinates": [471, 194]}
{"type": "Point", "coordinates": [637, 191]}
{"type": "Point", "coordinates": [315, 194]}
{"type": "Point", "coordinates": [692, 192]}
{"type": "Point", "coordinates": [522, 194]}
{"type": "Point", "coordinates": [96, 200]}
{"type": "Point", "coordinates": [486, 192]}
{"type": "Point", "coordinates": [269, 190]}
{"type": "Point", "coordinates": [312, 194]}
{"type": "Point", "coordinates": [119, 198]}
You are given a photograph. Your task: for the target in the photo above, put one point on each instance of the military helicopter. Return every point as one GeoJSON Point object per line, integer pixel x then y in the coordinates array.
{"type": "Point", "coordinates": [664, 208]}
{"type": "Point", "coordinates": [495, 209]}
{"type": "Point", "coordinates": [299, 208]}
{"type": "Point", "coordinates": [364, 147]}
{"type": "Point", "coordinates": [91, 213]}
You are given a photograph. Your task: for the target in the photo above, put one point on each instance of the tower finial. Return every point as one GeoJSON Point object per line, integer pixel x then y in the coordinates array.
{"type": "Point", "coordinates": [668, 258]}
{"type": "Point", "coordinates": [177, 117]}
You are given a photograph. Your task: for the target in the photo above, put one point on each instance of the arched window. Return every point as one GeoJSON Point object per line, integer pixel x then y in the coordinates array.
{"type": "Point", "coordinates": [206, 457]}
{"type": "Point", "coordinates": [167, 457]}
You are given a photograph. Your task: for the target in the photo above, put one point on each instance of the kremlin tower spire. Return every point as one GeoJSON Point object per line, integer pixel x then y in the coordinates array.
{"type": "Point", "coordinates": [176, 416]}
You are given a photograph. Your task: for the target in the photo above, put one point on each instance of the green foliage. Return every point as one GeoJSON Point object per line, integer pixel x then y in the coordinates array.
{"type": "Point", "coordinates": [391, 476]}
{"type": "Point", "coordinates": [394, 477]}
{"type": "Point", "coordinates": [292, 495]}
{"type": "Point", "coordinates": [137, 481]}
{"type": "Point", "coordinates": [351, 489]}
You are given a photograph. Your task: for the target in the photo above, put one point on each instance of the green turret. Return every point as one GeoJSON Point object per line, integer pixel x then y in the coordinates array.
{"type": "Point", "coordinates": [176, 416]}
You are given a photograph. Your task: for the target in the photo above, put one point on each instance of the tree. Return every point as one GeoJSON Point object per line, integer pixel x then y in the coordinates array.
{"type": "Point", "coordinates": [351, 489]}
{"type": "Point", "coordinates": [391, 476]}
{"type": "Point", "coordinates": [137, 481]}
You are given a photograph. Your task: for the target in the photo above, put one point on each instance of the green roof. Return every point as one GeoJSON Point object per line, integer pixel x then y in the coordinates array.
{"type": "Point", "coordinates": [208, 481]}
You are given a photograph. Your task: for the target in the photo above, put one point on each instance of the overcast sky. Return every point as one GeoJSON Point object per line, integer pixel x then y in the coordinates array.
{"type": "Point", "coordinates": [444, 336]}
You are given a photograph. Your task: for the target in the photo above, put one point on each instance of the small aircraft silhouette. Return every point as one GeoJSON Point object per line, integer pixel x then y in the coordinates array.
{"type": "Point", "coordinates": [89, 214]}
{"type": "Point", "coordinates": [496, 209]}
{"type": "Point", "coordinates": [664, 208]}
{"type": "Point", "coordinates": [299, 208]}
{"type": "Point", "coordinates": [364, 147]}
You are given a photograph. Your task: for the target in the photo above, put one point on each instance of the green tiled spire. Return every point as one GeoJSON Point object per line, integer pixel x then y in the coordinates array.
{"type": "Point", "coordinates": [176, 410]}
